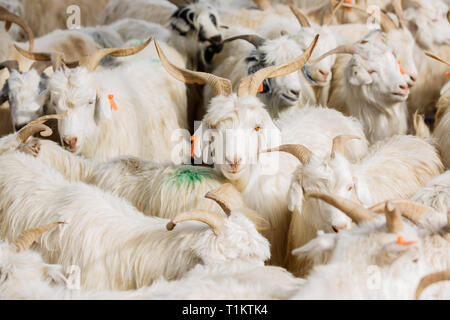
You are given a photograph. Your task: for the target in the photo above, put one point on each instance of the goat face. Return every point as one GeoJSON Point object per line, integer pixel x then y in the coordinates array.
{"type": "Point", "coordinates": [244, 128]}
{"type": "Point", "coordinates": [200, 23]}
{"type": "Point", "coordinates": [429, 23]}
{"type": "Point", "coordinates": [374, 75]}
{"type": "Point", "coordinates": [320, 72]}
{"type": "Point", "coordinates": [333, 176]}
{"type": "Point", "coordinates": [281, 92]}
{"type": "Point", "coordinates": [28, 96]}
{"type": "Point", "coordinates": [74, 92]}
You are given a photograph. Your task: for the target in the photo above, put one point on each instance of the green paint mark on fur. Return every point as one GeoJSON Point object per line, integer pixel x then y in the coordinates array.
{"type": "Point", "coordinates": [191, 175]}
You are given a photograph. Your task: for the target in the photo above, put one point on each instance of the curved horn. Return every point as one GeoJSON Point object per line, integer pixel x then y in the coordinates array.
{"type": "Point", "coordinates": [43, 119]}
{"type": "Point", "coordinates": [299, 151]}
{"type": "Point", "coordinates": [302, 19]}
{"type": "Point", "coordinates": [10, 65]}
{"type": "Point", "coordinates": [7, 16]}
{"type": "Point", "coordinates": [216, 195]}
{"type": "Point", "coordinates": [337, 5]}
{"type": "Point", "coordinates": [27, 132]}
{"type": "Point", "coordinates": [344, 49]}
{"type": "Point", "coordinates": [431, 279]}
{"type": "Point", "coordinates": [254, 39]}
{"type": "Point", "coordinates": [27, 238]}
{"type": "Point", "coordinates": [339, 144]}
{"type": "Point", "coordinates": [93, 60]}
{"type": "Point", "coordinates": [437, 58]}
{"type": "Point", "coordinates": [220, 86]}
{"type": "Point", "coordinates": [57, 58]}
{"type": "Point", "coordinates": [263, 4]}
{"type": "Point", "coordinates": [213, 219]}
{"type": "Point", "coordinates": [393, 218]}
{"type": "Point", "coordinates": [409, 209]}
{"type": "Point", "coordinates": [398, 9]}
{"type": "Point", "coordinates": [355, 211]}
{"type": "Point", "coordinates": [250, 85]}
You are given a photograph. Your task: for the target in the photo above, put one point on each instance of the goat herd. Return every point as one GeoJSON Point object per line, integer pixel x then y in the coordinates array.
{"type": "Point", "coordinates": [239, 149]}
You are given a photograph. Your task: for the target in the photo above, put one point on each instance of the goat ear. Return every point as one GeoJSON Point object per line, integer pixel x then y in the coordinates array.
{"type": "Point", "coordinates": [359, 76]}
{"type": "Point", "coordinates": [4, 94]}
{"type": "Point", "coordinates": [102, 107]}
{"type": "Point", "coordinates": [295, 196]}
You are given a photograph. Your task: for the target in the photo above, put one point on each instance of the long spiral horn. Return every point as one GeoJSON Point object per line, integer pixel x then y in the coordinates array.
{"type": "Point", "coordinates": [27, 238]}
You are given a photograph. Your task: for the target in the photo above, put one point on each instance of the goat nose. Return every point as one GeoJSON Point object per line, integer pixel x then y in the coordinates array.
{"type": "Point", "coordinates": [70, 142]}
{"type": "Point", "coordinates": [295, 93]}
{"type": "Point", "coordinates": [339, 227]}
{"type": "Point", "coordinates": [324, 73]}
{"type": "Point", "coordinates": [403, 87]}
{"type": "Point", "coordinates": [413, 78]}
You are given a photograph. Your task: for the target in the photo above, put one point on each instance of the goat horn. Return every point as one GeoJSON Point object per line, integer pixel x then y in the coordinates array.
{"type": "Point", "coordinates": [437, 58]}
{"type": "Point", "coordinates": [355, 211]}
{"type": "Point", "coordinates": [93, 60]}
{"type": "Point", "coordinates": [411, 210]}
{"type": "Point", "coordinates": [254, 39]}
{"type": "Point", "coordinates": [10, 65]}
{"type": "Point", "coordinates": [216, 195]}
{"type": "Point", "coordinates": [27, 237]}
{"type": "Point", "coordinates": [57, 58]}
{"type": "Point", "coordinates": [302, 19]}
{"type": "Point", "coordinates": [220, 86]}
{"type": "Point", "coordinates": [393, 218]}
{"type": "Point", "coordinates": [337, 5]}
{"type": "Point", "coordinates": [263, 4]}
{"type": "Point", "coordinates": [299, 151]}
{"type": "Point", "coordinates": [339, 144]}
{"type": "Point", "coordinates": [27, 132]}
{"type": "Point", "coordinates": [215, 220]}
{"type": "Point", "coordinates": [344, 49]}
{"type": "Point", "coordinates": [40, 66]}
{"type": "Point", "coordinates": [9, 17]}
{"type": "Point", "coordinates": [431, 279]}
{"type": "Point", "coordinates": [250, 85]}
{"type": "Point", "coordinates": [43, 119]}
{"type": "Point", "coordinates": [398, 9]}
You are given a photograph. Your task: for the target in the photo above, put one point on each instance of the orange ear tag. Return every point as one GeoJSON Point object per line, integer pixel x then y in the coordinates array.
{"type": "Point", "coordinates": [193, 140]}
{"type": "Point", "coordinates": [261, 88]}
{"type": "Point", "coordinates": [348, 2]}
{"type": "Point", "coordinates": [401, 241]}
{"type": "Point", "coordinates": [112, 102]}
{"type": "Point", "coordinates": [402, 71]}
{"type": "Point", "coordinates": [447, 74]}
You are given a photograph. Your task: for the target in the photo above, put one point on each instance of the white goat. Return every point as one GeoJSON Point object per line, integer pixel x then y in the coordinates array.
{"type": "Point", "coordinates": [392, 169]}
{"type": "Point", "coordinates": [370, 86]}
{"type": "Point", "coordinates": [241, 115]}
{"type": "Point", "coordinates": [105, 119]}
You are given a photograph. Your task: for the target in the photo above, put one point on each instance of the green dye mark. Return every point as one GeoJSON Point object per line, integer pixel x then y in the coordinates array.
{"type": "Point", "coordinates": [189, 176]}
{"type": "Point", "coordinates": [153, 60]}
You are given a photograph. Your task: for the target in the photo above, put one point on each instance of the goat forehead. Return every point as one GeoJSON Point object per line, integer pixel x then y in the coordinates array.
{"type": "Point", "coordinates": [280, 50]}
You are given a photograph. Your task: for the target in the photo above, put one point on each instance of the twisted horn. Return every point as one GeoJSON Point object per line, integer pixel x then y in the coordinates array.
{"type": "Point", "coordinates": [339, 144]}
{"type": "Point", "coordinates": [250, 85]}
{"type": "Point", "coordinates": [10, 65]}
{"type": "Point", "coordinates": [397, 4]}
{"type": "Point", "coordinates": [9, 17]}
{"type": "Point", "coordinates": [216, 196]}
{"type": "Point", "coordinates": [437, 58]}
{"type": "Point", "coordinates": [213, 219]}
{"type": "Point", "coordinates": [302, 19]}
{"type": "Point", "coordinates": [411, 210]}
{"type": "Point", "coordinates": [344, 49]}
{"type": "Point", "coordinates": [220, 86]}
{"type": "Point", "coordinates": [28, 131]}
{"type": "Point", "coordinates": [352, 209]}
{"type": "Point", "coordinates": [27, 238]}
{"type": "Point", "coordinates": [393, 218]}
{"type": "Point", "coordinates": [93, 60]}
{"type": "Point", "coordinates": [431, 279]}
{"type": "Point", "coordinates": [254, 39]}
{"type": "Point", "coordinates": [299, 151]}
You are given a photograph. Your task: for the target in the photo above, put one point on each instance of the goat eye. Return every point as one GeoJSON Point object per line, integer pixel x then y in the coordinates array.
{"type": "Point", "coordinates": [257, 128]}
{"type": "Point", "coordinates": [213, 19]}
{"type": "Point", "coordinates": [350, 188]}
{"type": "Point", "coordinates": [372, 71]}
